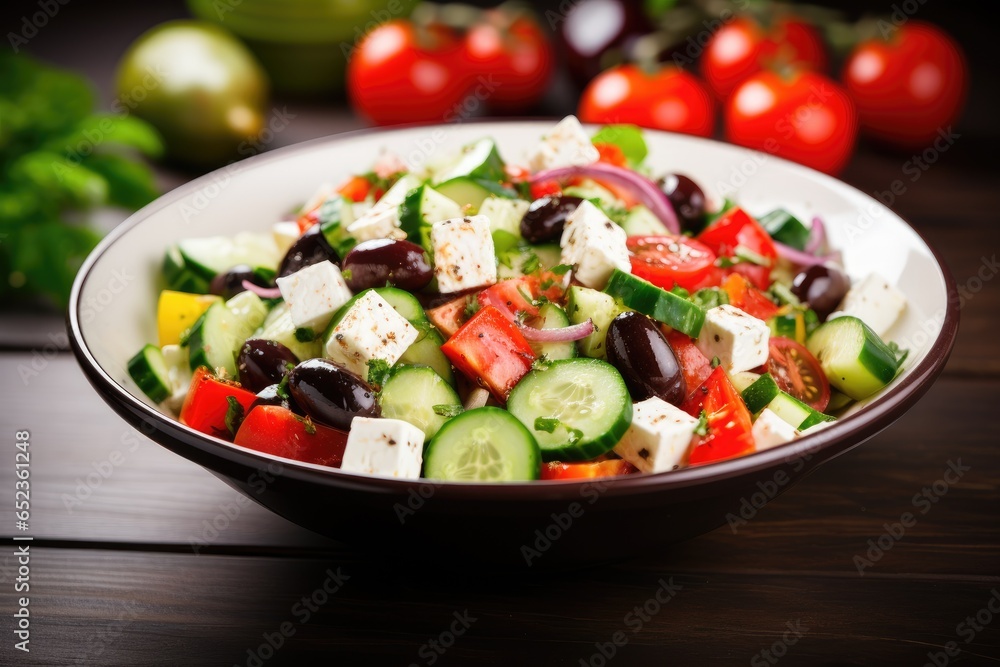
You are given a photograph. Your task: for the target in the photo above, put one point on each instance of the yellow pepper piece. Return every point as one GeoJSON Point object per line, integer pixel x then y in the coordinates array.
{"type": "Point", "coordinates": [177, 311]}
{"type": "Point", "coordinates": [800, 328]}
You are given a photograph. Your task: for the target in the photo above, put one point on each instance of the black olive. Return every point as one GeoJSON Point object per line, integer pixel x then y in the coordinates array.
{"type": "Point", "coordinates": [379, 262]}
{"type": "Point", "coordinates": [331, 394]}
{"type": "Point", "coordinates": [823, 287]}
{"type": "Point", "coordinates": [642, 355]}
{"type": "Point", "coordinates": [546, 217]}
{"type": "Point", "coordinates": [271, 395]}
{"type": "Point", "coordinates": [688, 200]}
{"type": "Point", "coordinates": [263, 362]}
{"type": "Point", "coordinates": [229, 284]}
{"type": "Point", "coordinates": [311, 248]}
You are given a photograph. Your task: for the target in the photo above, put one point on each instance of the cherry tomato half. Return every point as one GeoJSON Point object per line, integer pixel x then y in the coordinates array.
{"type": "Point", "coordinates": [667, 261]}
{"type": "Point", "coordinates": [797, 372]}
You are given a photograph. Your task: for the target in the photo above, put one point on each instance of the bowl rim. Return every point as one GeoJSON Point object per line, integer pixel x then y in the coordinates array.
{"type": "Point", "coordinates": [846, 433]}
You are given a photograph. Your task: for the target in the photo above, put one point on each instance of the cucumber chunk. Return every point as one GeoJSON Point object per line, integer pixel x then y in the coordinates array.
{"type": "Point", "coordinates": [479, 160]}
{"type": "Point", "coordinates": [585, 303]}
{"type": "Point", "coordinates": [412, 392]}
{"type": "Point", "coordinates": [149, 371]}
{"type": "Point", "coordinates": [759, 394]}
{"type": "Point", "coordinates": [764, 393]}
{"type": "Point", "coordinates": [856, 361]}
{"type": "Point", "coordinates": [215, 339]}
{"type": "Point", "coordinates": [551, 316]}
{"type": "Point", "coordinates": [577, 409]}
{"type": "Point", "coordinates": [423, 207]}
{"type": "Point", "coordinates": [483, 445]}
{"type": "Point", "coordinates": [785, 228]}
{"type": "Point", "coordinates": [661, 305]}
{"type": "Point", "coordinates": [180, 277]}
{"type": "Point", "coordinates": [278, 326]}
{"type": "Point", "coordinates": [213, 255]}
{"type": "Point", "coordinates": [403, 302]}
{"type": "Point", "coordinates": [471, 192]}
{"type": "Point", "coordinates": [504, 214]}
{"type": "Point", "coordinates": [640, 221]}
{"type": "Point", "coordinates": [519, 261]}
{"type": "Point", "coordinates": [426, 351]}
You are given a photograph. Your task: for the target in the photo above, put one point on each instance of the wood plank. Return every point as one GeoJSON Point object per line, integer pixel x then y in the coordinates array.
{"type": "Point", "coordinates": [120, 608]}
{"type": "Point", "coordinates": [156, 498]}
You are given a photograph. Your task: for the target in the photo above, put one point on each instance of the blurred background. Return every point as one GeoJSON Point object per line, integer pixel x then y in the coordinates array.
{"type": "Point", "coordinates": [105, 105]}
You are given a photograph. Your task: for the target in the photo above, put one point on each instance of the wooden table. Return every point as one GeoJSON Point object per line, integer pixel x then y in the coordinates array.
{"type": "Point", "coordinates": [121, 575]}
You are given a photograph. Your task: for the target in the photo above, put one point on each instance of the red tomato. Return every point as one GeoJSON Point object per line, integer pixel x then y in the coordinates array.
{"type": "Point", "coordinates": [273, 429]}
{"type": "Point", "coordinates": [735, 229]}
{"type": "Point", "coordinates": [512, 296]}
{"type": "Point", "coordinates": [670, 99]}
{"type": "Point", "coordinates": [611, 154]}
{"type": "Point", "coordinates": [666, 261]}
{"type": "Point", "coordinates": [514, 60]}
{"type": "Point", "coordinates": [490, 351]}
{"type": "Point", "coordinates": [207, 403]}
{"type": "Point", "coordinates": [545, 189]}
{"type": "Point", "coordinates": [355, 188]}
{"type": "Point", "coordinates": [695, 366]}
{"type": "Point", "coordinates": [743, 47]}
{"type": "Point", "coordinates": [909, 87]}
{"type": "Point", "coordinates": [588, 470]}
{"type": "Point", "coordinates": [748, 298]}
{"type": "Point", "coordinates": [797, 372]}
{"type": "Point", "coordinates": [449, 317]}
{"type": "Point", "coordinates": [402, 74]}
{"type": "Point", "coordinates": [729, 424]}
{"type": "Point", "coordinates": [802, 116]}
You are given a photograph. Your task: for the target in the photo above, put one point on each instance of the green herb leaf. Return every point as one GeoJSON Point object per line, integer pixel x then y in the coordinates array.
{"type": "Point", "coordinates": [378, 372]}
{"type": "Point", "coordinates": [305, 334]}
{"type": "Point", "coordinates": [626, 137]}
{"type": "Point", "coordinates": [715, 362]}
{"type": "Point", "coordinates": [531, 264]}
{"type": "Point", "coordinates": [702, 427]}
{"type": "Point", "coordinates": [449, 411]}
{"type": "Point", "coordinates": [561, 269]}
{"type": "Point", "coordinates": [234, 415]}
{"type": "Point", "coordinates": [346, 273]}
{"type": "Point", "coordinates": [550, 424]}
{"type": "Point", "coordinates": [710, 297]}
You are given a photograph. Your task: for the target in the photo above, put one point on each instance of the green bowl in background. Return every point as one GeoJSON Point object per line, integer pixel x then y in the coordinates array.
{"type": "Point", "coordinates": [302, 44]}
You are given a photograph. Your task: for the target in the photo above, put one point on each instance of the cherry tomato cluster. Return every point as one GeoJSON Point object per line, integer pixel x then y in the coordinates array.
{"type": "Point", "coordinates": [432, 71]}
{"type": "Point", "coordinates": [768, 75]}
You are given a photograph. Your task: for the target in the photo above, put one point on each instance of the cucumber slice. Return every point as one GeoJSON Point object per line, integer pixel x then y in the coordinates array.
{"type": "Point", "coordinates": [744, 379]}
{"type": "Point", "coordinates": [426, 351]}
{"type": "Point", "coordinates": [150, 372]}
{"type": "Point", "coordinates": [213, 255]}
{"type": "Point", "coordinates": [483, 445]}
{"type": "Point", "coordinates": [479, 161]}
{"type": "Point", "coordinates": [513, 263]}
{"type": "Point", "coordinates": [471, 192]}
{"type": "Point", "coordinates": [759, 394]}
{"type": "Point", "coordinates": [854, 358]}
{"type": "Point", "coordinates": [412, 392]}
{"type": "Point", "coordinates": [640, 221]}
{"type": "Point", "coordinates": [551, 316]}
{"type": "Point", "coordinates": [405, 303]}
{"type": "Point", "coordinates": [585, 303]}
{"type": "Point", "coordinates": [764, 393]}
{"type": "Point", "coordinates": [423, 207]}
{"type": "Point", "coordinates": [504, 214]}
{"type": "Point", "coordinates": [577, 409]}
{"type": "Point", "coordinates": [785, 228]}
{"type": "Point", "coordinates": [792, 411]}
{"type": "Point", "coordinates": [179, 277]}
{"type": "Point", "coordinates": [279, 327]}
{"type": "Point", "coordinates": [219, 333]}
{"type": "Point", "coordinates": [661, 305]}
{"type": "Point", "coordinates": [838, 401]}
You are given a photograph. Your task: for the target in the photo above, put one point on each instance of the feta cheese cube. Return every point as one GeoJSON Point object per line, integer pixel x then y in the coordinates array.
{"type": "Point", "coordinates": [875, 302]}
{"type": "Point", "coordinates": [384, 447]}
{"type": "Point", "coordinates": [659, 437]}
{"type": "Point", "coordinates": [566, 145]}
{"type": "Point", "coordinates": [464, 256]}
{"type": "Point", "coordinates": [314, 294]}
{"type": "Point", "coordinates": [770, 430]}
{"type": "Point", "coordinates": [179, 371]}
{"type": "Point", "coordinates": [737, 339]}
{"type": "Point", "coordinates": [285, 234]}
{"type": "Point", "coordinates": [594, 246]}
{"type": "Point", "coordinates": [370, 329]}
{"type": "Point", "coordinates": [382, 220]}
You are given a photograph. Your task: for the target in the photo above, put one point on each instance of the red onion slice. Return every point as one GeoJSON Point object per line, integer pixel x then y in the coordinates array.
{"type": "Point", "coordinates": [797, 257]}
{"type": "Point", "coordinates": [645, 190]}
{"type": "Point", "coordinates": [560, 335]}
{"type": "Point", "coordinates": [817, 237]}
{"type": "Point", "coordinates": [262, 292]}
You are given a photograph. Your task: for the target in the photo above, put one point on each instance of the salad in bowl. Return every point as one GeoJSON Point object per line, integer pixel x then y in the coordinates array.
{"type": "Point", "coordinates": [563, 314]}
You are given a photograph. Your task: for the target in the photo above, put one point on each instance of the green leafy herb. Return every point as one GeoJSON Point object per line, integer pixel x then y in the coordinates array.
{"type": "Point", "coordinates": [282, 389]}
{"type": "Point", "coordinates": [445, 410]}
{"type": "Point", "coordinates": [378, 372]}
{"type": "Point", "coordinates": [561, 269]}
{"type": "Point", "coordinates": [307, 425]}
{"type": "Point", "coordinates": [541, 363]}
{"type": "Point", "coordinates": [900, 353]}
{"type": "Point", "coordinates": [531, 264]}
{"type": "Point", "coordinates": [626, 137]}
{"type": "Point", "coordinates": [680, 291]}
{"type": "Point", "coordinates": [234, 415]}
{"type": "Point", "coordinates": [715, 362]}
{"type": "Point", "coordinates": [471, 306]}
{"type": "Point", "coordinates": [550, 424]}
{"type": "Point", "coordinates": [305, 335]}
{"type": "Point", "coordinates": [702, 427]}
{"type": "Point", "coordinates": [346, 273]}
{"type": "Point", "coordinates": [710, 297]}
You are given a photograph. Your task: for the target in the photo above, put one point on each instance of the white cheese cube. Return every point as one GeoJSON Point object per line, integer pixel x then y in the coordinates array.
{"type": "Point", "coordinates": [737, 339]}
{"type": "Point", "coordinates": [179, 371]}
{"type": "Point", "coordinates": [504, 214]}
{"type": "Point", "coordinates": [659, 437]}
{"type": "Point", "coordinates": [770, 430]}
{"type": "Point", "coordinates": [464, 256]}
{"type": "Point", "coordinates": [384, 447]}
{"type": "Point", "coordinates": [382, 219]}
{"type": "Point", "coordinates": [594, 246]}
{"type": "Point", "coordinates": [875, 302]}
{"type": "Point", "coordinates": [314, 294]}
{"type": "Point", "coordinates": [370, 329]}
{"type": "Point", "coordinates": [566, 145]}
{"type": "Point", "coordinates": [285, 234]}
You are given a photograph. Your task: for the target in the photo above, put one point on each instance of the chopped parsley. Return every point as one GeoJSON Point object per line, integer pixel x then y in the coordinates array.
{"type": "Point", "coordinates": [378, 372]}
{"type": "Point", "coordinates": [550, 424]}
{"type": "Point", "coordinates": [234, 415]}
{"type": "Point", "coordinates": [305, 335]}
{"type": "Point", "coordinates": [531, 264]}
{"type": "Point", "coordinates": [702, 427]}
{"type": "Point", "coordinates": [445, 410]}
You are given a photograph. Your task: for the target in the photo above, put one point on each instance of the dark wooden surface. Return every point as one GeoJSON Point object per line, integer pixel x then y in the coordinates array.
{"type": "Point", "coordinates": [115, 580]}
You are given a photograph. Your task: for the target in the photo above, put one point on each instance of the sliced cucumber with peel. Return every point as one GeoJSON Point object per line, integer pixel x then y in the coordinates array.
{"type": "Point", "coordinates": [149, 371]}
{"type": "Point", "coordinates": [764, 393]}
{"type": "Point", "coordinates": [641, 295]}
{"type": "Point", "coordinates": [412, 393]}
{"type": "Point", "coordinates": [217, 336]}
{"type": "Point", "coordinates": [577, 409]}
{"type": "Point", "coordinates": [423, 207]}
{"type": "Point", "coordinates": [426, 351]}
{"type": "Point", "coordinates": [640, 221]}
{"type": "Point", "coordinates": [513, 262]}
{"type": "Point", "coordinates": [483, 445]}
{"type": "Point", "coordinates": [472, 192]}
{"type": "Point", "coordinates": [213, 255]}
{"type": "Point", "coordinates": [856, 361]}
{"type": "Point", "coordinates": [278, 326]}
{"type": "Point", "coordinates": [600, 308]}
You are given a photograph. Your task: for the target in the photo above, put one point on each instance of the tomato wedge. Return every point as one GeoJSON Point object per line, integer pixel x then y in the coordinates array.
{"type": "Point", "coordinates": [588, 470]}
{"type": "Point", "coordinates": [519, 295]}
{"type": "Point", "coordinates": [449, 317]}
{"type": "Point", "coordinates": [207, 403]}
{"type": "Point", "coordinates": [355, 188]}
{"type": "Point", "coordinates": [729, 424]}
{"type": "Point", "coordinates": [545, 189]}
{"type": "Point", "coordinates": [736, 231]}
{"type": "Point", "coordinates": [667, 261]}
{"type": "Point", "coordinates": [273, 429]}
{"type": "Point", "coordinates": [490, 351]}
{"type": "Point", "coordinates": [748, 298]}
{"type": "Point", "coordinates": [695, 366]}
{"type": "Point", "coordinates": [797, 372]}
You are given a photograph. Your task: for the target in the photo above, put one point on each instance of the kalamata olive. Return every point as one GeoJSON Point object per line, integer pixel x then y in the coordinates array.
{"type": "Point", "coordinates": [641, 353]}
{"type": "Point", "coordinates": [688, 200]}
{"type": "Point", "coordinates": [311, 248]}
{"type": "Point", "coordinates": [271, 395]}
{"type": "Point", "coordinates": [545, 218]}
{"type": "Point", "coordinates": [379, 261]}
{"type": "Point", "coordinates": [330, 394]}
{"type": "Point", "coordinates": [263, 362]}
{"type": "Point", "coordinates": [823, 286]}
{"type": "Point", "coordinates": [229, 284]}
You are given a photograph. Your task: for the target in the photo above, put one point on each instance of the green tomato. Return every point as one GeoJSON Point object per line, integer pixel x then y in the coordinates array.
{"type": "Point", "coordinates": [199, 86]}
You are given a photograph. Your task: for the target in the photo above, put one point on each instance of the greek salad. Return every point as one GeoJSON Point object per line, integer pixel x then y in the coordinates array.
{"type": "Point", "coordinates": [572, 315]}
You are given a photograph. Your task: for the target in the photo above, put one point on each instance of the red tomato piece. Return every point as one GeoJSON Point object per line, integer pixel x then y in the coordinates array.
{"type": "Point", "coordinates": [797, 372]}
{"type": "Point", "coordinates": [611, 154]}
{"type": "Point", "coordinates": [490, 351]}
{"type": "Point", "coordinates": [748, 298]}
{"type": "Point", "coordinates": [513, 296]}
{"type": "Point", "coordinates": [587, 470]}
{"type": "Point", "coordinates": [729, 424]}
{"type": "Point", "coordinates": [448, 318]}
{"type": "Point", "coordinates": [695, 366]}
{"type": "Point", "coordinates": [545, 189]}
{"type": "Point", "coordinates": [355, 188]}
{"type": "Point", "coordinates": [667, 261]}
{"type": "Point", "coordinates": [735, 229]}
{"type": "Point", "coordinates": [275, 430]}
{"type": "Point", "coordinates": [207, 403]}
